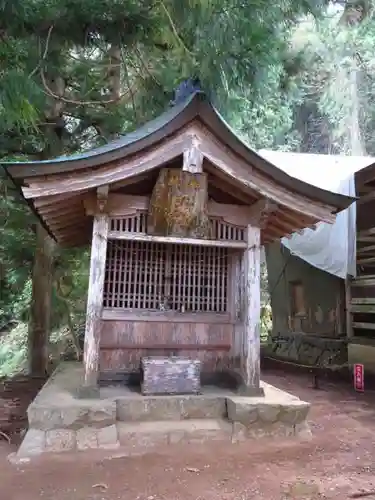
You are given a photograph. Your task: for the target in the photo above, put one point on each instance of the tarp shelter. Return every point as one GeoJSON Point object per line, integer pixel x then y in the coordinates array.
{"type": "Point", "coordinates": [329, 247]}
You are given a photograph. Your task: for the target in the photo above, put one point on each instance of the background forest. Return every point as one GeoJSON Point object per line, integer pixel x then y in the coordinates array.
{"type": "Point", "coordinates": [289, 74]}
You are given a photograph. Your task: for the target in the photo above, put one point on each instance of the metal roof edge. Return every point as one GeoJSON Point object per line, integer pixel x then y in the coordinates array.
{"type": "Point", "coordinates": [150, 132]}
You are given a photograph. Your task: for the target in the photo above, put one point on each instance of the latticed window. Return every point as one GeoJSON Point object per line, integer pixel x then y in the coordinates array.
{"type": "Point", "coordinates": [162, 276]}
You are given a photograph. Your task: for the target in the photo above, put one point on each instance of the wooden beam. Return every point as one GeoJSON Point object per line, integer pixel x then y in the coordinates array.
{"type": "Point", "coordinates": [53, 200]}
{"type": "Point", "coordinates": [59, 208]}
{"type": "Point", "coordinates": [366, 198]}
{"type": "Point", "coordinates": [297, 221]}
{"type": "Point", "coordinates": [250, 362]}
{"type": "Point", "coordinates": [367, 260]}
{"type": "Point", "coordinates": [217, 181]}
{"type": "Point", "coordinates": [273, 233]}
{"type": "Point", "coordinates": [260, 211]}
{"type": "Point", "coordinates": [362, 250]}
{"type": "Point", "coordinates": [69, 213]}
{"type": "Point", "coordinates": [366, 235]}
{"type": "Point", "coordinates": [364, 326]}
{"type": "Point", "coordinates": [167, 347]}
{"type": "Point", "coordinates": [366, 232]}
{"type": "Point", "coordinates": [363, 308]}
{"type": "Point", "coordinates": [237, 215]}
{"type": "Point", "coordinates": [118, 205]}
{"type": "Point", "coordinates": [363, 282]}
{"type": "Point", "coordinates": [364, 300]}
{"type": "Point", "coordinates": [366, 239]}
{"type": "Point", "coordinates": [123, 205]}
{"type": "Point", "coordinates": [364, 189]}
{"type": "Point", "coordinates": [95, 296]}
{"type": "Point", "coordinates": [117, 314]}
{"type": "Point", "coordinates": [66, 222]}
{"type": "Point", "coordinates": [114, 235]}
{"type": "Point", "coordinates": [283, 227]}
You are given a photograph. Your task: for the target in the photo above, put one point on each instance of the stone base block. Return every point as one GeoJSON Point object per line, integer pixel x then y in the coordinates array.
{"type": "Point", "coordinates": [146, 436]}
{"type": "Point", "coordinates": [253, 418]}
{"type": "Point", "coordinates": [37, 441]}
{"type": "Point", "coordinates": [77, 414]}
{"type": "Point", "coordinates": [159, 408]}
{"type": "Point", "coordinates": [60, 440]}
{"type": "Point", "coordinates": [33, 444]}
{"type": "Point", "coordinates": [247, 411]}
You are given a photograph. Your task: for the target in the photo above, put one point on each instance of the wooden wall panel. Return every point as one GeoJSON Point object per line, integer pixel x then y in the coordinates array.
{"type": "Point", "coordinates": [124, 343]}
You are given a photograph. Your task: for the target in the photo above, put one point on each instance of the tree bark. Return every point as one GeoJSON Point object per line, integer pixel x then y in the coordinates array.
{"type": "Point", "coordinates": [40, 314]}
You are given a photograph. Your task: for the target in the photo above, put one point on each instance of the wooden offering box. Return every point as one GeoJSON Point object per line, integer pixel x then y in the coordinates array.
{"type": "Point", "coordinates": [170, 375]}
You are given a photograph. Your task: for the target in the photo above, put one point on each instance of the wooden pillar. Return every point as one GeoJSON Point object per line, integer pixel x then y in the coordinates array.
{"type": "Point", "coordinates": [95, 296]}
{"type": "Point", "coordinates": [348, 307]}
{"type": "Point", "coordinates": [250, 362]}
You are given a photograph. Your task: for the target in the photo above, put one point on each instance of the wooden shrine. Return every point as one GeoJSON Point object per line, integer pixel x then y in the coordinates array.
{"type": "Point", "coordinates": [176, 213]}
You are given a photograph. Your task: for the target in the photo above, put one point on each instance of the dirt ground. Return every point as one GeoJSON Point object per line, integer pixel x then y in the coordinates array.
{"type": "Point", "coordinates": [336, 463]}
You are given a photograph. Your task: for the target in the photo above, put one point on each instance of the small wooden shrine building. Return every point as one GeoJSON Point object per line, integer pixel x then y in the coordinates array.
{"type": "Point", "coordinates": [176, 213]}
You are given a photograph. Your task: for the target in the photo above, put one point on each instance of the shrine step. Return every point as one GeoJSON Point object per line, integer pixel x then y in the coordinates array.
{"type": "Point", "coordinates": [142, 437]}
{"type": "Point", "coordinates": [160, 408]}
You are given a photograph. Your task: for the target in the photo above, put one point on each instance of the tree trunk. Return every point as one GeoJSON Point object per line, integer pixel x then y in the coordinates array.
{"type": "Point", "coordinates": [114, 72]}
{"type": "Point", "coordinates": [354, 13]}
{"type": "Point", "coordinates": [40, 314]}
{"type": "Point", "coordinates": [178, 206]}
{"type": "Point", "coordinates": [42, 276]}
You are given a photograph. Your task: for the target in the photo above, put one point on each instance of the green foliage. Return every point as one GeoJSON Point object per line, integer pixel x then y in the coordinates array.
{"type": "Point", "coordinates": [337, 75]}
{"type": "Point", "coordinates": [13, 351]}
{"type": "Point", "coordinates": [14, 346]}
{"type": "Point", "coordinates": [70, 288]}
{"type": "Point", "coordinates": [16, 255]}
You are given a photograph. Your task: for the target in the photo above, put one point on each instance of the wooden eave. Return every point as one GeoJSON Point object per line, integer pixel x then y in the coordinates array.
{"type": "Point", "coordinates": [56, 189]}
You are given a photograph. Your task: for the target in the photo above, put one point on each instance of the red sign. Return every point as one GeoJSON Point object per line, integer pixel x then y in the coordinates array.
{"type": "Point", "coordinates": [359, 378]}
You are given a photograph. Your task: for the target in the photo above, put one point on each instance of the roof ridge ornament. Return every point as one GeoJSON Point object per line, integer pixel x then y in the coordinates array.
{"type": "Point", "coordinates": [185, 89]}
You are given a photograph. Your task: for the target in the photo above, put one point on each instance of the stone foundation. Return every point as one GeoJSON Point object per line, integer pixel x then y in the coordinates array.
{"type": "Point", "coordinates": [312, 350]}
{"type": "Point", "coordinates": [126, 420]}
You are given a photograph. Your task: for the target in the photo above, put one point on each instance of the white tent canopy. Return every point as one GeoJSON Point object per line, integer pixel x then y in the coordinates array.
{"type": "Point", "coordinates": [331, 247]}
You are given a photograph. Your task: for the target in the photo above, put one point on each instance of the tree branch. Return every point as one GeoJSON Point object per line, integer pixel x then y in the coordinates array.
{"type": "Point", "coordinates": [49, 92]}
{"type": "Point", "coordinates": [174, 29]}
{"type": "Point", "coordinates": [44, 56]}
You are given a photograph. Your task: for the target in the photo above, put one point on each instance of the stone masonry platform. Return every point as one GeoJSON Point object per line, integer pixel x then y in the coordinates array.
{"type": "Point", "coordinates": [125, 420]}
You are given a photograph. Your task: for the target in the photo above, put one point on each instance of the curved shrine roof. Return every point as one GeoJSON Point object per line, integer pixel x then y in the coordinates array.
{"type": "Point", "coordinates": [68, 177]}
